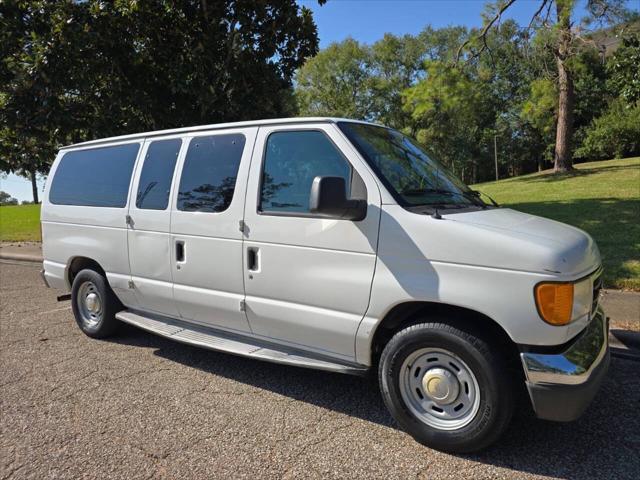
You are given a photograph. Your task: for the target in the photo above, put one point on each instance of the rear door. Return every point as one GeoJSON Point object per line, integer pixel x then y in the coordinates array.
{"type": "Point", "coordinates": [307, 278]}
{"type": "Point", "coordinates": [149, 225]}
{"type": "Point", "coordinates": [206, 242]}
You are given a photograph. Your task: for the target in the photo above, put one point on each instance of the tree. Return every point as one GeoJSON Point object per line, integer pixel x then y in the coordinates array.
{"type": "Point", "coordinates": [336, 82]}
{"type": "Point", "coordinates": [72, 71]}
{"type": "Point", "coordinates": [396, 63]}
{"type": "Point", "coordinates": [508, 74]}
{"type": "Point", "coordinates": [447, 108]}
{"type": "Point", "coordinates": [349, 79]}
{"type": "Point", "coordinates": [564, 41]}
{"type": "Point", "coordinates": [6, 199]}
{"type": "Point", "coordinates": [539, 110]}
{"type": "Point", "coordinates": [614, 134]}
{"type": "Point", "coordinates": [624, 70]}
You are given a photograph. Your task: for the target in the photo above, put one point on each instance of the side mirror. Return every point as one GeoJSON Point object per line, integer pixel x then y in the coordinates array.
{"type": "Point", "coordinates": [329, 198]}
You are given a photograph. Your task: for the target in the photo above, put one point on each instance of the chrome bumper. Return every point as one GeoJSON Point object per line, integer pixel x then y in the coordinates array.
{"type": "Point", "coordinates": [575, 364]}
{"type": "Point", "coordinates": [561, 385]}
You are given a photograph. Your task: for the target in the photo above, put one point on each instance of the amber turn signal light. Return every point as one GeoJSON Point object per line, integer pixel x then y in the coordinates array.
{"type": "Point", "coordinates": [555, 302]}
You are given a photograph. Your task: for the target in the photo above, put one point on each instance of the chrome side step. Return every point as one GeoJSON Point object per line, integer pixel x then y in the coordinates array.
{"type": "Point", "coordinates": [214, 339]}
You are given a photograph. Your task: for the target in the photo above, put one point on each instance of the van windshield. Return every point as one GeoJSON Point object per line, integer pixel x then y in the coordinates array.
{"type": "Point", "coordinates": [408, 172]}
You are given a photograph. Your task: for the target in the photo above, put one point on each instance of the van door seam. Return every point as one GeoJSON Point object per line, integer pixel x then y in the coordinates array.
{"type": "Point", "coordinates": [244, 230]}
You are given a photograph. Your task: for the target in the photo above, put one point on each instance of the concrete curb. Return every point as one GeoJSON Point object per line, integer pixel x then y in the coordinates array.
{"type": "Point", "coordinates": [21, 257]}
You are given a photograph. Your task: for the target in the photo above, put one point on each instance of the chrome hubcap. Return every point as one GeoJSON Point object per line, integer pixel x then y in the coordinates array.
{"type": "Point", "coordinates": [439, 388]}
{"type": "Point", "coordinates": [441, 385]}
{"type": "Point", "coordinates": [89, 304]}
{"type": "Point", "coordinates": [93, 302]}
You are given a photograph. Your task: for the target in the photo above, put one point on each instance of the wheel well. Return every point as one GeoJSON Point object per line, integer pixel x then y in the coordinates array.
{"type": "Point", "coordinates": [82, 263]}
{"type": "Point", "coordinates": [476, 323]}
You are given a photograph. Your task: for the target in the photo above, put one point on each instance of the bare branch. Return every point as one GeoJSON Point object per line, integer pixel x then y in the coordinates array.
{"type": "Point", "coordinates": [483, 35]}
{"type": "Point", "coordinates": [538, 12]}
{"type": "Point", "coordinates": [545, 22]}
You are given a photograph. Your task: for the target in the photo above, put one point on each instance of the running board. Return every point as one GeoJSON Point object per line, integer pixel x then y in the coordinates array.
{"type": "Point", "coordinates": [214, 339]}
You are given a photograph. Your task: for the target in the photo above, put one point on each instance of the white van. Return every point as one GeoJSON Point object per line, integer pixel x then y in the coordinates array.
{"type": "Point", "coordinates": [338, 245]}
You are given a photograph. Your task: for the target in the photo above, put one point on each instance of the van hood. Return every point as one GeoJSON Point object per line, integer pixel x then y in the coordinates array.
{"type": "Point", "coordinates": [545, 245]}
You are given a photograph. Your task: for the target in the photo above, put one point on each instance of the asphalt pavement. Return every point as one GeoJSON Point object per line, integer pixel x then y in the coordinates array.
{"type": "Point", "coordinates": [140, 406]}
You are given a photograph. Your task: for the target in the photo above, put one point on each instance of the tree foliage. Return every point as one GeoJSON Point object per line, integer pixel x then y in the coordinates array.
{"type": "Point", "coordinates": [509, 93]}
{"type": "Point", "coordinates": [564, 40]}
{"type": "Point", "coordinates": [445, 109]}
{"type": "Point", "coordinates": [336, 82]}
{"type": "Point", "coordinates": [78, 70]}
{"type": "Point", "coordinates": [624, 70]}
{"type": "Point", "coordinates": [615, 134]}
{"type": "Point", "coordinates": [6, 199]}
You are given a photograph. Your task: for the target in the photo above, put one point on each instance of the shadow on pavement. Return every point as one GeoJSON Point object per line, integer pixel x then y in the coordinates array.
{"type": "Point", "coordinates": [608, 434]}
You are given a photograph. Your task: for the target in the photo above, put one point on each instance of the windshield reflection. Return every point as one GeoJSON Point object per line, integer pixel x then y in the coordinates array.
{"type": "Point", "coordinates": [408, 172]}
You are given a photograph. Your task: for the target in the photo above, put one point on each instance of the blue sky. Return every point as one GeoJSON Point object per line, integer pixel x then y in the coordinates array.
{"type": "Point", "coordinates": [367, 21]}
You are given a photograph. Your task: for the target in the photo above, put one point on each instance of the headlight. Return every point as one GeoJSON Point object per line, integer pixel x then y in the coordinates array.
{"type": "Point", "coordinates": [560, 303]}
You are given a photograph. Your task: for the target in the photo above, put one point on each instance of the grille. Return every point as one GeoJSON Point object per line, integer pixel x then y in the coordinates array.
{"type": "Point", "coordinates": [597, 286]}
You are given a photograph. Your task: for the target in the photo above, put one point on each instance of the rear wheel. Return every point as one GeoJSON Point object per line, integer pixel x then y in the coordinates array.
{"type": "Point", "coordinates": [446, 387]}
{"type": "Point", "coordinates": [94, 304]}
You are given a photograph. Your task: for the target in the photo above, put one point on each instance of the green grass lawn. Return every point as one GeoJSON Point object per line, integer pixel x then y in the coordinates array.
{"type": "Point", "coordinates": [20, 223]}
{"type": "Point", "coordinates": [602, 198]}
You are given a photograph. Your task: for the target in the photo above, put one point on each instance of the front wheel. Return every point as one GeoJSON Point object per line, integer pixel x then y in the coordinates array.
{"type": "Point", "coordinates": [446, 387]}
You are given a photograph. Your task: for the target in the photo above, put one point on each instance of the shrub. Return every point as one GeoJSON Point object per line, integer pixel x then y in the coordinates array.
{"type": "Point", "coordinates": [615, 134]}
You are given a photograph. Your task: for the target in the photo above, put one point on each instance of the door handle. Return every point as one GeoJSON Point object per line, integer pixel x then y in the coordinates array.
{"type": "Point", "coordinates": [253, 259]}
{"type": "Point", "coordinates": [180, 252]}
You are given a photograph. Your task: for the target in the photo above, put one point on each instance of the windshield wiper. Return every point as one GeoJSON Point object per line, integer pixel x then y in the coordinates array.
{"type": "Point", "coordinates": [414, 192]}
{"type": "Point", "coordinates": [477, 194]}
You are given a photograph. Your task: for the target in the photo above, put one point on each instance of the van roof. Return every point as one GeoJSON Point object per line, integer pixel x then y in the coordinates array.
{"type": "Point", "coordinates": [214, 126]}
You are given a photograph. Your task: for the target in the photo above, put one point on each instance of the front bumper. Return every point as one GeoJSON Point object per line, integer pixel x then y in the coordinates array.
{"type": "Point", "coordinates": [562, 385]}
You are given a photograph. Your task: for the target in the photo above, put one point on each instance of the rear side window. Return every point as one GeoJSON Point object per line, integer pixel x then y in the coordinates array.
{"type": "Point", "coordinates": [157, 172]}
{"type": "Point", "coordinates": [209, 173]}
{"type": "Point", "coordinates": [97, 177]}
{"type": "Point", "coordinates": [292, 161]}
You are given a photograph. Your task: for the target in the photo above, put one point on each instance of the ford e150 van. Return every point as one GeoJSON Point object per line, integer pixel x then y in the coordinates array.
{"type": "Point", "coordinates": [337, 245]}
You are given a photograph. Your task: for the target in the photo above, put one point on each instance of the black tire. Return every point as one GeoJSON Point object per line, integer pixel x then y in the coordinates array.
{"type": "Point", "coordinates": [102, 323]}
{"type": "Point", "coordinates": [496, 397]}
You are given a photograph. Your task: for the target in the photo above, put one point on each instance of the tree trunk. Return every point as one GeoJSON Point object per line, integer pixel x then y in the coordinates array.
{"type": "Point", "coordinates": [34, 186]}
{"type": "Point", "coordinates": [564, 128]}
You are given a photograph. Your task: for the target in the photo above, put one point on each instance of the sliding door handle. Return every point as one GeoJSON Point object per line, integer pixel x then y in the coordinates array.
{"type": "Point", "coordinates": [253, 259]}
{"type": "Point", "coordinates": [180, 252]}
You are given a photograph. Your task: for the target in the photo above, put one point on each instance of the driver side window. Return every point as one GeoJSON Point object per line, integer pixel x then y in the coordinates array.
{"type": "Point", "coordinates": [292, 160]}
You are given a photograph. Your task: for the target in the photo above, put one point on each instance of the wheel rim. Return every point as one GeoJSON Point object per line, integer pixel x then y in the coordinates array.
{"type": "Point", "coordinates": [439, 388]}
{"type": "Point", "coordinates": [89, 304]}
